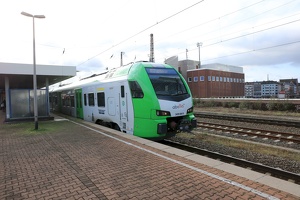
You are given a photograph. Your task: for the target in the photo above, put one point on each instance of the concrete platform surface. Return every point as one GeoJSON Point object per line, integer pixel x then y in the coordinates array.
{"type": "Point", "coordinates": [79, 160]}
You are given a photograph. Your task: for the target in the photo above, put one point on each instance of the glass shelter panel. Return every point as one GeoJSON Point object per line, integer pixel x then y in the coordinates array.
{"type": "Point", "coordinates": [22, 105]}
{"type": "Point", "coordinates": [20, 102]}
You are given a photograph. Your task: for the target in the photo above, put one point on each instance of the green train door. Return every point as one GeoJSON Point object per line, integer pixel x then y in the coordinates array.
{"type": "Point", "coordinates": [79, 109]}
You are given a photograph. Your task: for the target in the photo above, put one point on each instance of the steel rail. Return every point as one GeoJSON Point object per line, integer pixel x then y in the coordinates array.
{"type": "Point", "coordinates": [252, 119]}
{"type": "Point", "coordinates": [275, 172]}
{"type": "Point", "coordinates": [289, 137]}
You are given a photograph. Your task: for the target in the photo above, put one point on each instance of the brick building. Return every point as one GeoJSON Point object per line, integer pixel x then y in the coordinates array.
{"type": "Point", "coordinates": [210, 80]}
{"type": "Point", "coordinates": [206, 83]}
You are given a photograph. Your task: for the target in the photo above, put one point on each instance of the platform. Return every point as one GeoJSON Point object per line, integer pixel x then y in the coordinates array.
{"type": "Point", "coordinates": [79, 160]}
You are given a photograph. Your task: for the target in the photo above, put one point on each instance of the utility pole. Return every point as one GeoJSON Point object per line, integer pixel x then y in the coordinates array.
{"type": "Point", "coordinates": [186, 54]}
{"type": "Point", "coordinates": [122, 53]}
{"type": "Point", "coordinates": [199, 44]}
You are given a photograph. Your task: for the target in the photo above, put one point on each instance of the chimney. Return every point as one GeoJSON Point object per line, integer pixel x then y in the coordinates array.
{"type": "Point", "coordinates": [151, 59]}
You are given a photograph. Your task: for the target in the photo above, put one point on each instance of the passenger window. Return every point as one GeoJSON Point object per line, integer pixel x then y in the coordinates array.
{"type": "Point", "coordinates": [72, 101]}
{"type": "Point", "coordinates": [91, 99]}
{"type": "Point", "coordinates": [101, 99]}
{"type": "Point", "coordinates": [84, 99]}
{"type": "Point", "coordinates": [136, 90]}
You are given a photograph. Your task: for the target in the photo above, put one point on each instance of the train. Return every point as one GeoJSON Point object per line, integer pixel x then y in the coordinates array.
{"type": "Point", "coordinates": [144, 99]}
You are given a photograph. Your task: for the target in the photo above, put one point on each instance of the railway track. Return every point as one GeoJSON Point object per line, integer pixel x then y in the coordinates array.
{"type": "Point", "coordinates": [275, 172]}
{"type": "Point", "coordinates": [254, 132]}
{"type": "Point", "coordinates": [252, 119]}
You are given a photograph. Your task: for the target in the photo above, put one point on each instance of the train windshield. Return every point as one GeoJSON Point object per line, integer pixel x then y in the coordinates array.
{"type": "Point", "coordinates": [166, 82]}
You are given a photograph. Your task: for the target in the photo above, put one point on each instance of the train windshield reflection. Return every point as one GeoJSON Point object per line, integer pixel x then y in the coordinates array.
{"type": "Point", "coordinates": [166, 81]}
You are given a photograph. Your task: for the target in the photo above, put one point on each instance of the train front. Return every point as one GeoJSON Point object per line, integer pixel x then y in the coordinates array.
{"type": "Point", "coordinates": [167, 100]}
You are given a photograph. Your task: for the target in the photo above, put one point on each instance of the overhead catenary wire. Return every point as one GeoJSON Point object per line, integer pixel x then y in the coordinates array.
{"type": "Point", "coordinates": [233, 38]}
{"type": "Point", "coordinates": [217, 18]}
{"type": "Point", "coordinates": [244, 35]}
{"type": "Point", "coordinates": [246, 19]}
{"type": "Point", "coordinates": [228, 14]}
{"type": "Point", "coordinates": [199, 25]}
{"type": "Point", "coordinates": [159, 22]}
{"type": "Point", "coordinates": [253, 50]}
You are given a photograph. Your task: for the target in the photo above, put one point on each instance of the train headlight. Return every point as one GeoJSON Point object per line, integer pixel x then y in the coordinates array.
{"type": "Point", "coordinates": [190, 110]}
{"type": "Point", "coordinates": [162, 113]}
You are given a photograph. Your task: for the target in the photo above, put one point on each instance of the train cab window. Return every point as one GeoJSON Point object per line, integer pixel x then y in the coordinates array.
{"type": "Point", "coordinates": [91, 99]}
{"type": "Point", "coordinates": [101, 99]}
{"type": "Point", "coordinates": [84, 99]}
{"type": "Point", "coordinates": [136, 90]}
{"type": "Point", "coordinates": [167, 82]}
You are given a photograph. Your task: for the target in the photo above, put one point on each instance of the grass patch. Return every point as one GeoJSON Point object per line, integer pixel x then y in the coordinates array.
{"type": "Point", "coordinates": [27, 128]}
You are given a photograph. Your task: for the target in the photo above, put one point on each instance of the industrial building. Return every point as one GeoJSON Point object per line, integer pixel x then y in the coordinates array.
{"type": "Point", "coordinates": [211, 80]}
{"type": "Point", "coordinates": [16, 88]}
{"type": "Point", "coordinates": [216, 81]}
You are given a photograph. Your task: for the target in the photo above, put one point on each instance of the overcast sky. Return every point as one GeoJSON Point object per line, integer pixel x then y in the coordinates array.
{"type": "Point", "coordinates": [262, 36]}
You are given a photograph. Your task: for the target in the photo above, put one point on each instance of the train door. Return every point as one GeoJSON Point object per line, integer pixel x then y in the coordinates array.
{"type": "Point", "coordinates": [79, 109]}
{"type": "Point", "coordinates": [123, 109]}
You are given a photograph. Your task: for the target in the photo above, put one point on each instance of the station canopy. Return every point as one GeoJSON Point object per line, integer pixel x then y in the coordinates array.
{"type": "Point", "coordinates": [21, 75]}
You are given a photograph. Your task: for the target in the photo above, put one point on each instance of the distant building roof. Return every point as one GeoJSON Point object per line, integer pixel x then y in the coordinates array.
{"type": "Point", "coordinates": [221, 67]}
{"type": "Point", "coordinates": [269, 82]}
{"type": "Point", "coordinates": [294, 81]}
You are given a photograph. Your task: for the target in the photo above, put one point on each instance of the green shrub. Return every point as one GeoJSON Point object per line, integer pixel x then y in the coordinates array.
{"type": "Point", "coordinates": [289, 106]}
{"type": "Point", "coordinates": [257, 106]}
{"type": "Point", "coordinates": [225, 104]}
{"type": "Point", "coordinates": [233, 104]}
{"type": "Point", "coordinates": [271, 106]}
{"type": "Point", "coordinates": [244, 105]}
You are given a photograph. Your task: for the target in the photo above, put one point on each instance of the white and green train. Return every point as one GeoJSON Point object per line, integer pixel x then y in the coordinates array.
{"type": "Point", "coordinates": [145, 99]}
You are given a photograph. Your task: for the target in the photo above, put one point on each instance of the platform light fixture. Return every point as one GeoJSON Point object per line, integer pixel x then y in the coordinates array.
{"type": "Point", "coordinates": [35, 107]}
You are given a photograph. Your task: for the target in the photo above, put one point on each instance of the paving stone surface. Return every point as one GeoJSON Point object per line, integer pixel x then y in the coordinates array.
{"type": "Point", "coordinates": [66, 161]}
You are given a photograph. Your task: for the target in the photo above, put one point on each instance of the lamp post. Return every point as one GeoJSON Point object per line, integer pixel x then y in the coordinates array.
{"type": "Point", "coordinates": [35, 107]}
{"type": "Point", "coordinates": [199, 44]}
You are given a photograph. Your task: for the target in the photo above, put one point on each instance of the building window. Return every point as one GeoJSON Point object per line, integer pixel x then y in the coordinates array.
{"type": "Point", "coordinates": [201, 78]}
{"type": "Point", "coordinates": [196, 79]}
{"type": "Point", "coordinates": [209, 78]}
{"type": "Point", "coordinates": [224, 79]}
{"type": "Point", "coordinates": [221, 79]}
{"type": "Point", "coordinates": [189, 79]}
{"type": "Point", "coordinates": [228, 80]}
{"type": "Point", "coordinates": [217, 78]}
{"type": "Point", "coordinates": [213, 78]}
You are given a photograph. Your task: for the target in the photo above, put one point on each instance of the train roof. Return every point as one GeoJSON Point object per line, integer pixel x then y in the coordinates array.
{"type": "Point", "coordinates": [114, 74]}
